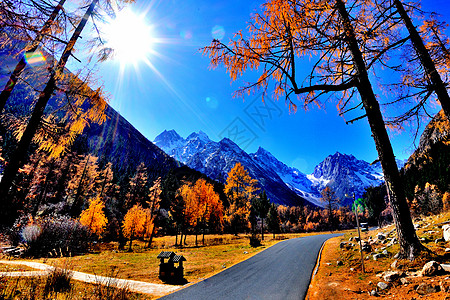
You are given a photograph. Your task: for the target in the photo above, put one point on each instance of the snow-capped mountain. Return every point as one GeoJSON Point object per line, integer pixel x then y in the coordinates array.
{"type": "Point", "coordinates": [292, 177]}
{"type": "Point", "coordinates": [345, 175]}
{"type": "Point", "coordinates": [215, 159]}
{"type": "Point", "coordinates": [283, 184]}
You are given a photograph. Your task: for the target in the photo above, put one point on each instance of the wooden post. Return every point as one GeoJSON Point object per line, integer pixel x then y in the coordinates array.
{"type": "Point", "coordinates": [359, 235]}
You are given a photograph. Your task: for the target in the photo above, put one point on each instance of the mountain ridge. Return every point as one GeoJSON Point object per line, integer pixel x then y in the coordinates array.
{"type": "Point", "coordinates": [344, 173]}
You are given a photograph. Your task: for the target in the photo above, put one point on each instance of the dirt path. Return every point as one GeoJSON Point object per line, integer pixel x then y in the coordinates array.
{"type": "Point", "coordinates": [133, 285]}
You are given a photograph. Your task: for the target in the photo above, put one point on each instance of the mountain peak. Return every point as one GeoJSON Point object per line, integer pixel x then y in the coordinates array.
{"type": "Point", "coordinates": [168, 139]}
{"type": "Point", "coordinates": [198, 135]}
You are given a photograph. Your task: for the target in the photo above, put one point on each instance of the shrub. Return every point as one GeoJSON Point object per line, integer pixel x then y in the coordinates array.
{"type": "Point", "coordinates": [108, 287]}
{"type": "Point", "coordinates": [51, 236]}
{"type": "Point", "coordinates": [59, 280]}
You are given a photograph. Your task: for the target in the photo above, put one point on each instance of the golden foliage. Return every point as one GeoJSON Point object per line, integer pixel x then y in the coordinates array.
{"type": "Point", "coordinates": [202, 203]}
{"type": "Point", "coordinates": [133, 225]}
{"type": "Point", "coordinates": [94, 217]}
{"type": "Point", "coordinates": [240, 188]}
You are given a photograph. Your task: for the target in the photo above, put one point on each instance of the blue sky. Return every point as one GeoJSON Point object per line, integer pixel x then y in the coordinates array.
{"type": "Point", "coordinates": [182, 93]}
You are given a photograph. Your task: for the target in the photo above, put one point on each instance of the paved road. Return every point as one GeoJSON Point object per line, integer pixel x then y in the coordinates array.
{"type": "Point", "coordinates": [282, 271]}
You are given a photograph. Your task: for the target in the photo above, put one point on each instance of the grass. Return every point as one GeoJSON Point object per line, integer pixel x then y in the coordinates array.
{"type": "Point", "coordinates": [340, 282]}
{"type": "Point", "coordinates": [35, 288]}
{"type": "Point", "coordinates": [220, 252]}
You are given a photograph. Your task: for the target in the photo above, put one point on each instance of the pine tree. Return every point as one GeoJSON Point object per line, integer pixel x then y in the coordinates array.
{"type": "Point", "coordinates": [273, 220]}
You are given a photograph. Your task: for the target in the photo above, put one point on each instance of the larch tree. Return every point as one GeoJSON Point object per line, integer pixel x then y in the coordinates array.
{"type": "Point", "coordinates": [331, 202]}
{"type": "Point", "coordinates": [133, 225]}
{"type": "Point", "coordinates": [430, 70]}
{"type": "Point", "coordinates": [94, 217]}
{"type": "Point", "coordinates": [82, 184]}
{"type": "Point", "coordinates": [285, 34]}
{"type": "Point", "coordinates": [154, 204]}
{"type": "Point", "coordinates": [30, 49]}
{"type": "Point", "coordinates": [19, 155]}
{"type": "Point", "coordinates": [138, 191]}
{"type": "Point", "coordinates": [240, 189]}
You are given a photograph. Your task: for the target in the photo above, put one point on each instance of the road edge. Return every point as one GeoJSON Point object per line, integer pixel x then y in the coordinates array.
{"type": "Point", "coordinates": [316, 268]}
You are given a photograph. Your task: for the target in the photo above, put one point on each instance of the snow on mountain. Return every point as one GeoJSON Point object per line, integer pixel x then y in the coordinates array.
{"type": "Point", "coordinates": [284, 185]}
{"type": "Point", "coordinates": [215, 159]}
{"type": "Point", "coordinates": [345, 175]}
{"type": "Point", "coordinates": [292, 177]}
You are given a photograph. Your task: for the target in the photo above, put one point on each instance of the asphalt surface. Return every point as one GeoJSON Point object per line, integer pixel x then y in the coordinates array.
{"type": "Point", "coordinates": [282, 271]}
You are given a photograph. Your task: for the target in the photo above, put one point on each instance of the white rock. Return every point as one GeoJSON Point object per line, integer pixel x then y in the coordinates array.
{"type": "Point", "coordinates": [446, 232]}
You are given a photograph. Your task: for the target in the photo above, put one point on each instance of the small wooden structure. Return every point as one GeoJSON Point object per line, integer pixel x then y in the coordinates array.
{"type": "Point", "coordinates": [167, 270]}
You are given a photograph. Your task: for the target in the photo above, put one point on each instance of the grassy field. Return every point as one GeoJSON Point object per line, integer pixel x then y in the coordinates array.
{"type": "Point", "coordinates": [219, 252]}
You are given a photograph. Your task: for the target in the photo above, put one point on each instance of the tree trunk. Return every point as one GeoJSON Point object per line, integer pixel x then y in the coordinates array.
{"type": "Point", "coordinates": [196, 235]}
{"type": "Point", "coordinates": [131, 241]}
{"type": "Point", "coordinates": [9, 87]}
{"type": "Point", "coordinates": [19, 155]}
{"type": "Point", "coordinates": [409, 243]}
{"type": "Point", "coordinates": [203, 238]}
{"type": "Point", "coordinates": [262, 229]}
{"type": "Point", "coordinates": [75, 209]}
{"type": "Point", "coordinates": [430, 68]}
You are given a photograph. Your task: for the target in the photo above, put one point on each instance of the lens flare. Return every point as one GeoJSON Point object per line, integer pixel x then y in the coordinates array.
{"type": "Point", "coordinates": [186, 34]}
{"type": "Point", "coordinates": [35, 59]}
{"type": "Point", "coordinates": [218, 32]}
{"type": "Point", "coordinates": [212, 102]}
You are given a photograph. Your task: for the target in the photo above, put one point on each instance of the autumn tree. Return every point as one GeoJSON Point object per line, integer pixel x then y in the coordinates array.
{"type": "Point", "coordinates": [138, 192]}
{"type": "Point", "coordinates": [284, 33]}
{"type": "Point", "coordinates": [331, 203]}
{"type": "Point", "coordinates": [154, 204]}
{"type": "Point", "coordinates": [98, 105]}
{"type": "Point", "coordinates": [81, 185]}
{"type": "Point", "coordinates": [240, 189]}
{"type": "Point", "coordinates": [429, 67]}
{"type": "Point", "coordinates": [30, 49]}
{"type": "Point", "coordinates": [133, 225]}
{"type": "Point", "coordinates": [94, 217]}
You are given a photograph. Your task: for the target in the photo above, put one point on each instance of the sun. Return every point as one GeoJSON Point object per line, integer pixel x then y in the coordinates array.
{"type": "Point", "coordinates": [130, 37]}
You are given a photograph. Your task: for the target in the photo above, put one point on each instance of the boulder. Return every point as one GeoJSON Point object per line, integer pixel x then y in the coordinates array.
{"type": "Point", "coordinates": [431, 268]}
{"type": "Point", "coordinates": [391, 276]}
{"type": "Point", "coordinates": [382, 285]}
{"type": "Point", "coordinates": [339, 263]}
{"type": "Point", "coordinates": [394, 264]}
{"type": "Point", "coordinates": [446, 232]}
{"type": "Point", "coordinates": [377, 256]}
{"type": "Point", "coordinates": [373, 293]}
{"type": "Point", "coordinates": [381, 236]}
{"type": "Point", "coordinates": [404, 281]}
{"type": "Point", "coordinates": [427, 288]}
{"type": "Point", "coordinates": [445, 267]}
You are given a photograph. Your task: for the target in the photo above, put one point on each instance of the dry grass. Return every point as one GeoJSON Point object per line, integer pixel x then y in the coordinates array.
{"type": "Point", "coordinates": [339, 282]}
{"type": "Point", "coordinates": [35, 288]}
{"type": "Point", "coordinates": [220, 252]}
